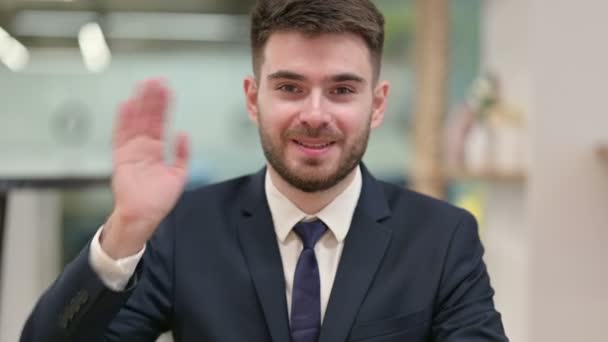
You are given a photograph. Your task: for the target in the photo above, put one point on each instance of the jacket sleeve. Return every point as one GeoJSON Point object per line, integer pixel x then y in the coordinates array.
{"type": "Point", "coordinates": [464, 310]}
{"type": "Point", "coordinates": [79, 307]}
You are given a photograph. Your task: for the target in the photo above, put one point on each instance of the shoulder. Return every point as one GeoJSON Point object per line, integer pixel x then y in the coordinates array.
{"type": "Point", "coordinates": [398, 196]}
{"type": "Point", "coordinates": [224, 187]}
{"type": "Point", "coordinates": [215, 194]}
{"type": "Point", "coordinates": [421, 212]}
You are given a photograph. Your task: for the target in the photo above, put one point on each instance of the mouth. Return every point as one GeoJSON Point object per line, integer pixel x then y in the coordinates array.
{"type": "Point", "coordinates": [314, 149]}
{"type": "Point", "coordinates": [313, 145]}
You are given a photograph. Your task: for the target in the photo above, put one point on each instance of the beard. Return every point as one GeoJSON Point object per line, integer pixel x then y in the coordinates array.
{"type": "Point", "coordinates": [314, 175]}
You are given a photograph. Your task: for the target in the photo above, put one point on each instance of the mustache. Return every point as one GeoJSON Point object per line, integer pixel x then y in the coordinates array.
{"type": "Point", "coordinates": [321, 132]}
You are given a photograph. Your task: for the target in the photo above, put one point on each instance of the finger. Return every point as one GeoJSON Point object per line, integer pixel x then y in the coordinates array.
{"type": "Point", "coordinates": [182, 152]}
{"type": "Point", "coordinates": [139, 119]}
{"type": "Point", "coordinates": [124, 127]}
{"type": "Point", "coordinates": [153, 105]}
{"type": "Point", "coordinates": [158, 113]}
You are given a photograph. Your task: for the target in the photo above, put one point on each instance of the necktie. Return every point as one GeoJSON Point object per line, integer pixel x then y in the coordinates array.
{"type": "Point", "coordinates": [306, 295]}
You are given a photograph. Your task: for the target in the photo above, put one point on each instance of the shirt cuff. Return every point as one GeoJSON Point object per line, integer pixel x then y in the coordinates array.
{"type": "Point", "coordinates": [114, 274]}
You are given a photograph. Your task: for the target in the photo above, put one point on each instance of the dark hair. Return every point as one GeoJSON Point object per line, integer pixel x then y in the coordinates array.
{"type": "Point", "coordinates": [315, 17]}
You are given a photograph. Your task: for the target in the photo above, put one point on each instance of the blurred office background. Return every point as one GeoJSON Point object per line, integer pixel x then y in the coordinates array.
{"type": "Point", "coordinates": [497, 106]}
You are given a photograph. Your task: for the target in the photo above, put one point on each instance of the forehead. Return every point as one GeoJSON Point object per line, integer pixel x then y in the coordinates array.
{"type": "Point", "coordinates": [319, 55]}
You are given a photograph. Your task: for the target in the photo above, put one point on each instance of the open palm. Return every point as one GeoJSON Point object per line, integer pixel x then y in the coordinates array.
{"type": "Point", "coordinates": [144, 185]}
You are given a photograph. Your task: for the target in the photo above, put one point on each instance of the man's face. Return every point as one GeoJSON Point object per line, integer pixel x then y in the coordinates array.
{"type": "Point", "coordinates": [315, 103]}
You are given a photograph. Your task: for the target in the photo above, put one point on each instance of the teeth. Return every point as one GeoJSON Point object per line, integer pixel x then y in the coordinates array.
{"type": "Point", "coordinates": [317, 146]}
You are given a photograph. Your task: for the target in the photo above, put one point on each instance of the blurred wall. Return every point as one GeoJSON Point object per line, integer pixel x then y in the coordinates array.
{"type": "Point", "coordinates": [546, 238]}
{"type": "Point", "coordinates": [568, 187]}
{"type": "Point", "coordinates": [505, 51]}
{"type": "Point", "coordinates": [207, 103]}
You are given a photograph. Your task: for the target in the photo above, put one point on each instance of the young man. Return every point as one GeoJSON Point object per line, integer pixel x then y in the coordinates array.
{"type": "Point", "coordinates": [311, 248]}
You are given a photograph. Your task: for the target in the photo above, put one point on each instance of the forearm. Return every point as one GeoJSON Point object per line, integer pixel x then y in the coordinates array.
{"type": "Point", "coordinates": [77, 305]}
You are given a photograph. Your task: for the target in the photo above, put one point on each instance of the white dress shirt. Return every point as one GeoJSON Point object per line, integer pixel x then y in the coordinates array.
{"type": "Point", "coordinates": [337, 216]}
{"type": "Point", "coordinates": [115, 274]}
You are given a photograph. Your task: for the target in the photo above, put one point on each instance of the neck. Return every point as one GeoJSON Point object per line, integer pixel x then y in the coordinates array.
{"type": "Point", "coordinates": [310, 202]}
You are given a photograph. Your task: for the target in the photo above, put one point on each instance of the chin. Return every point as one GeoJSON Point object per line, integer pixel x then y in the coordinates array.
{"type": "Point", "coordinates": [312, 178]}
{"type": "Point", "coordinates": [314, 168]}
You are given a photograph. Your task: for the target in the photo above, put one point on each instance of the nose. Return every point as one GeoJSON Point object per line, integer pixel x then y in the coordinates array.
{"type": "Point", "coordinates": [313, 114]}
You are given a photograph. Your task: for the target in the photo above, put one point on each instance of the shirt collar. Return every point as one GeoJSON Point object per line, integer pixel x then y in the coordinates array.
{"type": "Point", "coordinates": [337, 215]}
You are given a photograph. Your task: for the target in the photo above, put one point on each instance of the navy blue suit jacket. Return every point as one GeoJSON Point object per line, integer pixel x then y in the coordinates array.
{"type": "Point", "coordinates": [411, 270]}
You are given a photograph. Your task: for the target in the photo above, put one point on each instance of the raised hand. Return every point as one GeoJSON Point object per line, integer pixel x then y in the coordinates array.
{"type": "Point", "coordinates": [144, 185]}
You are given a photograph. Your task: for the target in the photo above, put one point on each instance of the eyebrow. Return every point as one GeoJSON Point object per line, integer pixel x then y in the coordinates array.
{"type": "Point", "coordinates": [284, 74]}
{"type": "Point", "coordinates": [347, 77]}
{"type": "Point", "coordinates": [290, 75]}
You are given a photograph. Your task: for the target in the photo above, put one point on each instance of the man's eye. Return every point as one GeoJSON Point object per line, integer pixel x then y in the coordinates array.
{"type": "Point", "coordinates": [289, 88]}
{"type": "Point", "coordinates": [343, 91]}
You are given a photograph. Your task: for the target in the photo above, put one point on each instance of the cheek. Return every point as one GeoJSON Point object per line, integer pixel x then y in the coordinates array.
{"type": "Point", "coordinates": [285, 110]}
{"type": "Point", "coordinates": [353, 121]}
{"type": "Point", "coordinates": [272, 112]}
{"type": "Point", "coordinates": [273, 122]}
{"type": "Point", "coordinates": [279, 116]}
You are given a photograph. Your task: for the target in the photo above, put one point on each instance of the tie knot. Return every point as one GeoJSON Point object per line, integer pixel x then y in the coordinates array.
{"type": "Point", "coordinates": [310, 232]}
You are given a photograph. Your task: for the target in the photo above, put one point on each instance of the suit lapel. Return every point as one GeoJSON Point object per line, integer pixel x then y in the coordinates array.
{"type": "Point", "coordinates": [259, 244]}
{"type": "Point", "coordinates": [364, 249]}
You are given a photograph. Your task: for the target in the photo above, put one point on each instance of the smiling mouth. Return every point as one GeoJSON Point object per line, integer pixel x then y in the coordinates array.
{"type": "Point", "coordinates": [317, 146]}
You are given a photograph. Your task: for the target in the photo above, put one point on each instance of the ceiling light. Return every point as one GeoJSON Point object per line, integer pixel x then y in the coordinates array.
{"type": "Point", "coordinates": [93, 47]}
{"type": "Point", "coordinates": [12, 53]}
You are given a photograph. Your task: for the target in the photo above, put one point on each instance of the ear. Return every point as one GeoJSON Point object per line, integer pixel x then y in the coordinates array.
{"type": "Point", "coordinates": [379, 103]}
{"type": "Point", "coordinates": [251, 97]}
